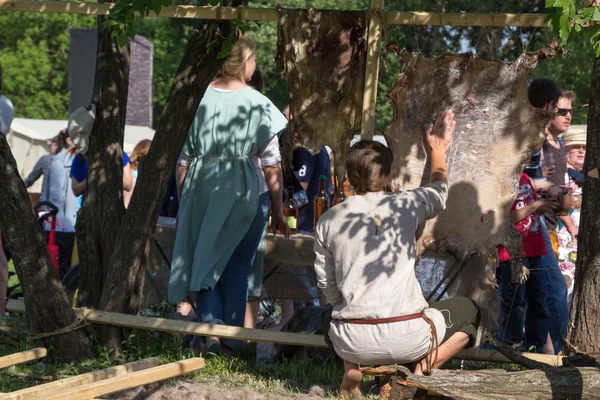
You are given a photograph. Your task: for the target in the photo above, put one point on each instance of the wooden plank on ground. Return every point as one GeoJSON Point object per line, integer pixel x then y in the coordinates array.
{"type": "Point", "coordinates": [82, 379]}
{"type": "Point", "coordinates": [24, 356]}
{"type": "Point", "coordinates": [257, 335]}
{"type": "Point", "coordinates": [127, 381]}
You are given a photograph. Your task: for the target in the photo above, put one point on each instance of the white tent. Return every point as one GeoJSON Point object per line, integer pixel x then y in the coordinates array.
{"type": "Point", "coordinates": [29, 138]}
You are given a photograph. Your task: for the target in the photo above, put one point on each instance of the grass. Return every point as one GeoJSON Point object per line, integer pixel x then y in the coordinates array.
{"type": "Point", "coordinates": [291, 377]}
{"type": "Point", "coordinates": [286, 378]}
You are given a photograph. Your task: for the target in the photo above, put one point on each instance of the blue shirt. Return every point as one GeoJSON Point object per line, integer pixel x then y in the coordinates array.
{"type": "Point", "coordinates": [308, 168]}
{"type": "Point", "coordinates": [79, 167]}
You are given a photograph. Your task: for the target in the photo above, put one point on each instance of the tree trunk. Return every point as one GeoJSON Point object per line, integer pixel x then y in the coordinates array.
{"type": "Point", "coordinates": [99, 220]}
{"type": "Point", "coordinates": [124, 284]}
{"type": "Point", "coordinates": [555, 383]}
{"type": "Point", "coordinates": [585, 308]}
{"type": "Point", "coordinates": [48, 308]}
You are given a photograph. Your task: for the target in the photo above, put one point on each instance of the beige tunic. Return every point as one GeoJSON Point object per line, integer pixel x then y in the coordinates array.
{"type": "Point", "coordinates": [365, 264]}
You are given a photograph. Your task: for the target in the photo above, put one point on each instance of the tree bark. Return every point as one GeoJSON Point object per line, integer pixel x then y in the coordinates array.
{"type": "Point", "coordinates": [99, 220]}
{"type": "Point", "coordinates": [584, 322]}
{"type": "Point", "coordinates": [48, 308]}
{"type": "Point", "coordinates": [123, 287]}
{"type": "Point", "coordinates": [554, 383]}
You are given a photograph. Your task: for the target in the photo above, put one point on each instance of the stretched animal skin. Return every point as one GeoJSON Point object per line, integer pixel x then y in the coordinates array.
{"type": "Point", "coordinates": [497, 130]}
{"type": "Point", "coordinates": [323, 57]}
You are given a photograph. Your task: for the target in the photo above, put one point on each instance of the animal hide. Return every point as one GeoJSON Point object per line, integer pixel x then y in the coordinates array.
{"type": "Point", "coordinates": [497, 130]}
{"type": "Point", "coordinates": [323, 57]}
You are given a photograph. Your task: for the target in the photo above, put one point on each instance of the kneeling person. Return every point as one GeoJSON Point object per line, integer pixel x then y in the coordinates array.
{"type": "Point", "coordinates": [365, 257]}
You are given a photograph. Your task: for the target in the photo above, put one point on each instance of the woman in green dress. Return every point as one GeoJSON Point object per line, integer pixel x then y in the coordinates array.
{"type": "Point", "coordinates": [228, 175]}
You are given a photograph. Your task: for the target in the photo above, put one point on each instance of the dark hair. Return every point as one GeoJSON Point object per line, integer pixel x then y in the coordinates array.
{"type": "Point", "coordinates": [257, 81]}
{"type": "Point", "coordinates": [543, 91]}
{"type": "Point", "coordinates": [58, 143]}
{"type": "Point", "coordinates": [369, 165]}
{"type": "Point", "coordinates": [61, 139]}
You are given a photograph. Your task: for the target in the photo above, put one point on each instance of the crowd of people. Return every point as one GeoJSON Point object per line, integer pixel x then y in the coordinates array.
{"type": "Point", "coordinates": [230, 182]}
{"type": "Point", "coordinates": [534, 311]}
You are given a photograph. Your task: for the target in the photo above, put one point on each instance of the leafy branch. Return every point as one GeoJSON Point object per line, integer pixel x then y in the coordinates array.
{"type": "Point", "coordinates": [122, 17]}
{"type": "Point", "coordinates": [567, 20]}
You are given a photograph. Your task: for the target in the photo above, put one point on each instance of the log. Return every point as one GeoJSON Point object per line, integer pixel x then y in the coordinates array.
{"type": "Point", "coordinates": [126, 381]}
{"type": "Point", "coordinates": [83, 379]}
{"type": "Point", "coordinates": [553, 383]}
{"type": "Point", "coordinates": [24, 356]}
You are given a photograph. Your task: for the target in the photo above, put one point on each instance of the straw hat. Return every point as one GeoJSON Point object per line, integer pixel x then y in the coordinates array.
{"type": "Point", "coordinates": [81, 122]}
{"type": "Point", "coordinates": [574, 138]}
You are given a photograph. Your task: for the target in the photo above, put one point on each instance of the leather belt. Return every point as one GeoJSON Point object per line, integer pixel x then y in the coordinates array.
{"type": "Point", "coordinates": [376, 321]}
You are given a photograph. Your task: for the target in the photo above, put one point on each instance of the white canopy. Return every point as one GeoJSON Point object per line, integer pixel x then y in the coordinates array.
{"type": "Point", "coordinates": [29, 138]}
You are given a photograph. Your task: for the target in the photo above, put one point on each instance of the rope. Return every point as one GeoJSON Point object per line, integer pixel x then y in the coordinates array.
{"type": "Point", "coordinates": [431, 358]}
{"type": "Point", "coordinates": [80, 322]}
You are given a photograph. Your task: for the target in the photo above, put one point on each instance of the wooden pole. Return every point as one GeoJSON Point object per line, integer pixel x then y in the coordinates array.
{"type": "Point", "coordinates": [24, 356]}
{"type": "Point", "coordinates": [127, 381]}
{"type": "Point", "coordinates": [258, 335]}
{"type": "Point", "coordinates": [372, 70]}
{"type": "Point", "coordinates": [268, 14]}
{"type": "Point", "coordinates": [83, 379]}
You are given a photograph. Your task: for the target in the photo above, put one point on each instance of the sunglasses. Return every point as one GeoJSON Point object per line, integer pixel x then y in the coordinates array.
{"type": "Point", "coordinates": [564, 111]}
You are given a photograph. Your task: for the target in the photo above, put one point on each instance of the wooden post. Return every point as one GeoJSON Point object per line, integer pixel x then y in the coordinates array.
{"type": "Point", "coordinates": [372, 70]}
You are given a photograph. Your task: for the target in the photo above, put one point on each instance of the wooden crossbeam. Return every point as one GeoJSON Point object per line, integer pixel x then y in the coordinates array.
{"type": "Point", "coordinates": [258, 335]}
{"type": "Point", "coordinates": [83, 379]}
{"type": "Point", "coordinates": [126, 381]}
{"type": "Point", "coordinates": [24, 356]}
{"type": "Point", "coordinates": [270, 14]}
{"type": "Point", "coordinates": [185, 327]}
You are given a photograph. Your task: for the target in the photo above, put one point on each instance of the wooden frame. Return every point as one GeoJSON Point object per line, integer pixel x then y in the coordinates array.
{"type": "Point", "coordinates": [269, 14]}
{"type": "Point", "coordinates": [258, 335]}
{"type": "Point", "coordinates": [377, 19]}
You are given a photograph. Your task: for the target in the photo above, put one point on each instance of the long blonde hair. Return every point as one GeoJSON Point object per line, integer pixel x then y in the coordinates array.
{"type": "Point", "coordinates": [235, 63]}
{"type": "Point", "coordinates": [139, 151]}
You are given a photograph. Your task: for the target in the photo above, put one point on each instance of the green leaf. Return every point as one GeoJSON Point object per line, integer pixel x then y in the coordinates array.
{"type": "Point", "coordinates": [565, 28]}
{"type": "Point", "coordinates": [110, 23]}
{"type": "Point", "coordinates": [570, 10]}
{"type": "Point", "coordinates": [577, 28]}
{"type": "Point", "coordinates": [226, 47]}
{"type": "Point", "coordinates": [122, 38]}
{"type": "Point", "coordinates": [550, 3]}
{"type": "Point", "coordinates": [129, 16]}
{"type": "Point", "coordinates": [596, 14]}
{"type": "Point", "coordinates": [561, 3]}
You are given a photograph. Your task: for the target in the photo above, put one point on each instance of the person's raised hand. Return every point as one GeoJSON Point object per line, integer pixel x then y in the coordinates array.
{"type": "Point", "coordinates": [440, 137]}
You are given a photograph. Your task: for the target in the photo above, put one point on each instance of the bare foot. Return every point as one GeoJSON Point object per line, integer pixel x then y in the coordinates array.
{"type": "Point", "coordinates": [350, 388]}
